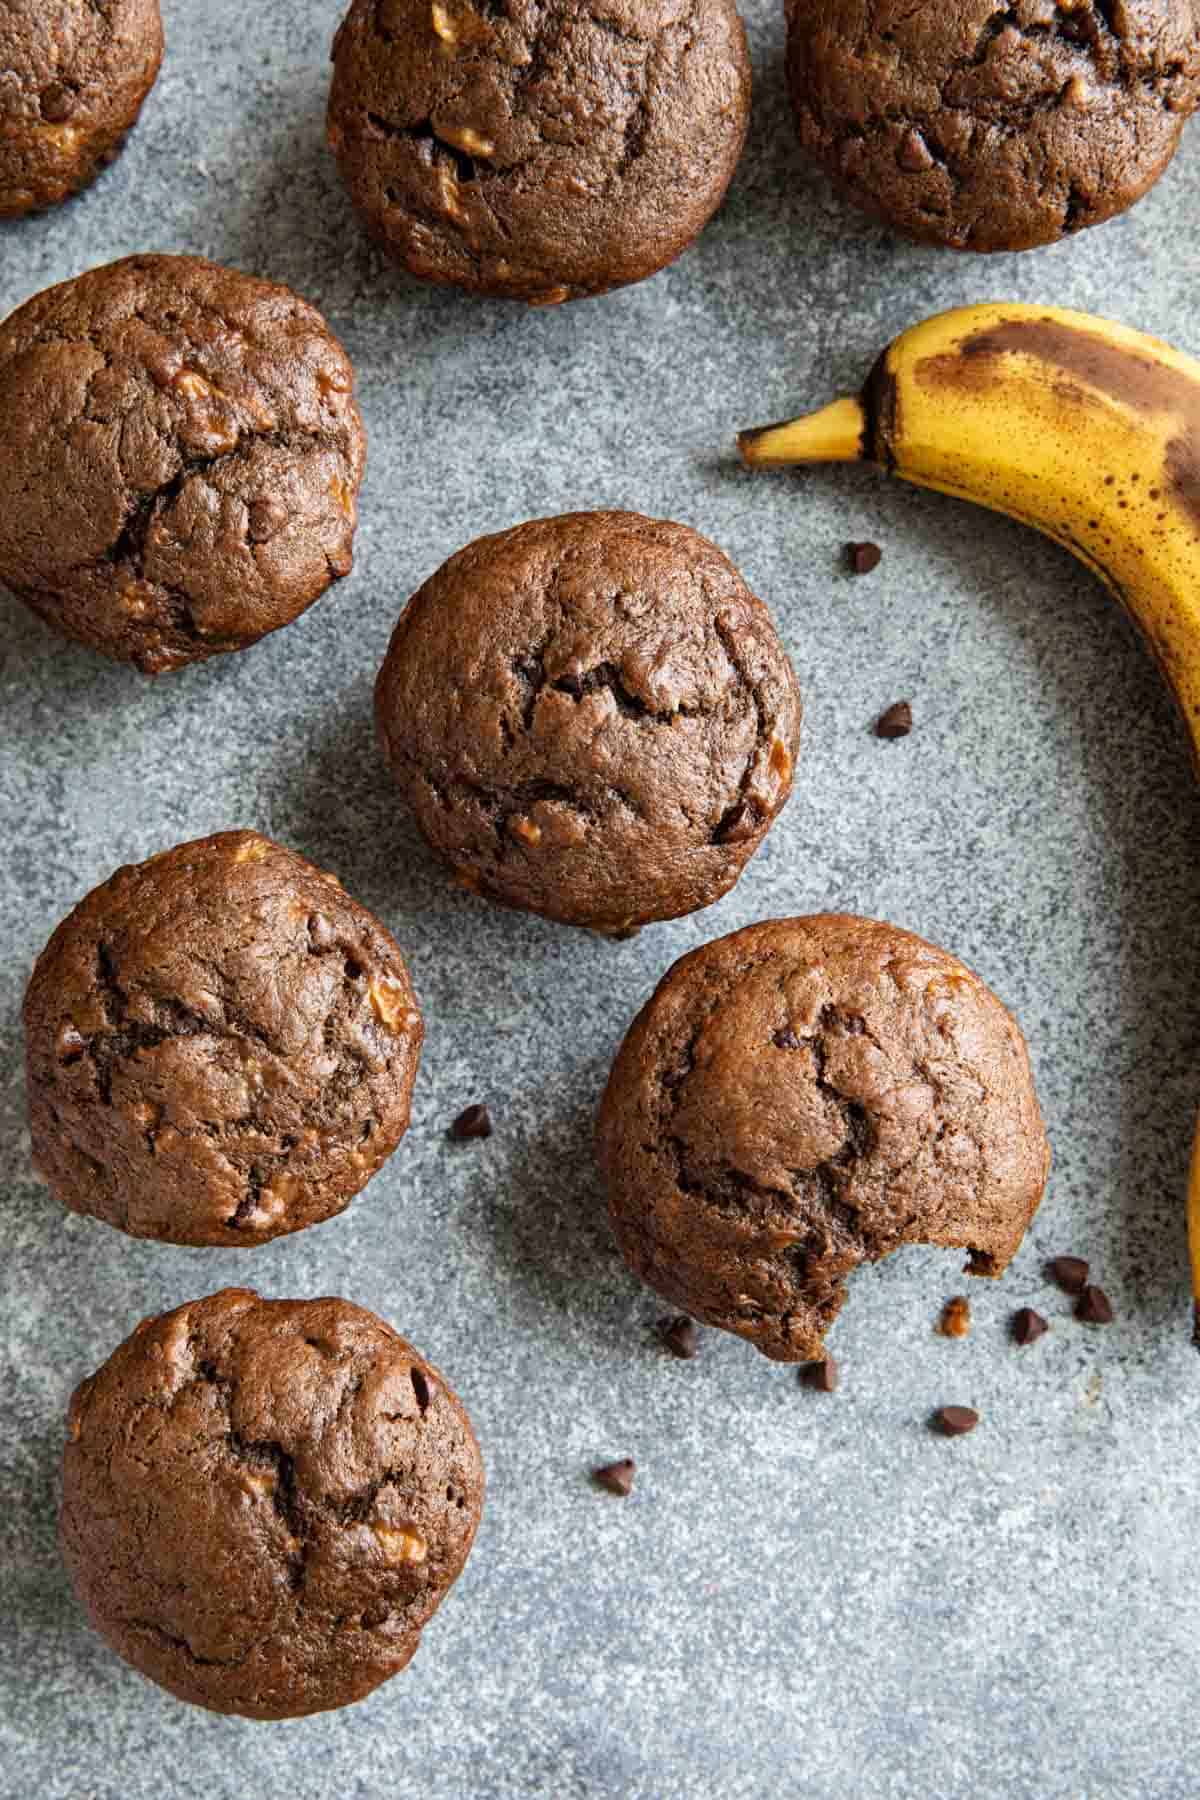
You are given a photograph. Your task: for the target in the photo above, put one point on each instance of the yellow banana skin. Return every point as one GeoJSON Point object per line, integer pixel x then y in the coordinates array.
{"type": "Point", "coordinates": [1087, 430]}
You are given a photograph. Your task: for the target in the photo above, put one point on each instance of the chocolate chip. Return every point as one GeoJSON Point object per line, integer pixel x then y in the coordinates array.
{"type": "Point", "coordinates": [741, 824]}
{"type": "Point", "coordinates": [1094, 1307]}
{"type": "Point", "coordinates": [266, 518]}
{"type": "Point", "coordinates": [914, 155]}
{"type": "Point", "coordinates": [955, 1321]}
{"type": "Point", "coordinates": [896, 722]}
{"type": "Point", "coordinates": [321, 934]}
{"type": "Point", "coordinates": [1028, 1326]}
{"type": "Point", "coordinates": [69, 1044]}
{"type": "Point", "coordinates": [616, 1477]}
{"type": "Point", "coordinates": [58, 103]}
{"type": "Point", "coordinates": [955, 1421]}
{"type": "Point", "coordinates": [787, 1040]}
{"type": "Point", "coordinates": [1070, 1272]}
{"type": "Point", "coordinates": [475, 1122]}
{"type": "Point", "coordinates": [823, 1376]}
{"type": "Point", "coordinates": [681, 1337]}
{"type": "Point", "coordinates": [863, 558]}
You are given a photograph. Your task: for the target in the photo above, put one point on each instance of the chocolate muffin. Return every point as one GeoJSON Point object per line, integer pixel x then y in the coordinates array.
{"type": "Point", "coordinates": [592, 718]}
{"type": "Point", "coordinates": [220, 1046]}
{"type": "Point", "coordinates": [805, 1096]}
{"type": "Point", "coordinates": [536, 149]}
{"type": "Point", "coordinates": [180, 455]}
{"type": "Point", "coordinates": [991, 127]}
{"type": "Point", "coordinates": [264, 1501]}
{"type": "Point", "coordinates": [72, 81]}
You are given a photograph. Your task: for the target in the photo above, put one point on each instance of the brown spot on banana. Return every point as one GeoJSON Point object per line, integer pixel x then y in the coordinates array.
{"type": "Point", "coordinates": [1183, 470]}
{"type": "Point", "coordinates": [1092, 359]}
{"type": "Point", "coordinates": [1092, 365]}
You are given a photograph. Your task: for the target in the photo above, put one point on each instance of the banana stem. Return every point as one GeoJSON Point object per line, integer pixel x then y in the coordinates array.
{"type": "Point", "coordinates": [838, 433]}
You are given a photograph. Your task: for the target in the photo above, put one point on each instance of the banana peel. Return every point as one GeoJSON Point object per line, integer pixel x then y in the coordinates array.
{"type": "Point", "coordinates": [1085, 429]}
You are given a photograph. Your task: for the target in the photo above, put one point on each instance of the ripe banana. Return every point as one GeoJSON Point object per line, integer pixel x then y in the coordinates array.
{"type": "Point", "coordinates": [1084, 429]}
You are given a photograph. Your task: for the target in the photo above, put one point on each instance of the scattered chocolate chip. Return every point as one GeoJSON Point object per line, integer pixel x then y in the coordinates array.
{"type": "Point", "coordinates": [955, 1421]}
{"type": "Point", "coordinates": [896, 722]}
{"type": "Point", "coordinates": [475, 1122]}
{"type": "Point", "coordinates": [681, 1337]}
{"type": "Point", "coordinates": [823, 1376]}
{"type": "Point", "coordinates": [1070, 1272]}
{"type": "Point", "coordinates": [616, 1477]}
{"type": "Point", "coordinates": [1094, 1307]}
{"type": "Point", "coordinates": [1028, 1326]}
{"type": "Point", "coordinates": [955, 1321]}
{"type": "Point", "coordinates": [863, 558]}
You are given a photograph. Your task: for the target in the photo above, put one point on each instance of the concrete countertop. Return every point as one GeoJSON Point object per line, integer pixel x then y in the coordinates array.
{"type": "Point", "coordinates": [807, 1595]}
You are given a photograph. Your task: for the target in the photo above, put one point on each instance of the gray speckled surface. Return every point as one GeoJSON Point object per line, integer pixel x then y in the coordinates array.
{"type": "Point", "coordinates": [806, 1596]}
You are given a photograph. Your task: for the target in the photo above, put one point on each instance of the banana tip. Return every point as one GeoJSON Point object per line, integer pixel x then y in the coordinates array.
{"type": "Point", "coordinates": [748, 441]}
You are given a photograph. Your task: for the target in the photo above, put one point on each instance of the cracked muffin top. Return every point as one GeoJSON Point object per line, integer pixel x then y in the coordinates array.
{"type": "Point", "coordinates": [72, 81]}
{"type": "Point", "coordinates": [538, 150]}
{"type": "Point", "coordinates": [180, 456]}
{"type": "Point", "coordinates": [221, 1046]}
{"type": "Point", "coordinates": [592, 718]}
{"type": "Point", "coordinates": [264, 1501]}
{"type": "Point", "coordinates": [993, 127]}
{"type": "Point", "coordinates": [805, 1096]}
